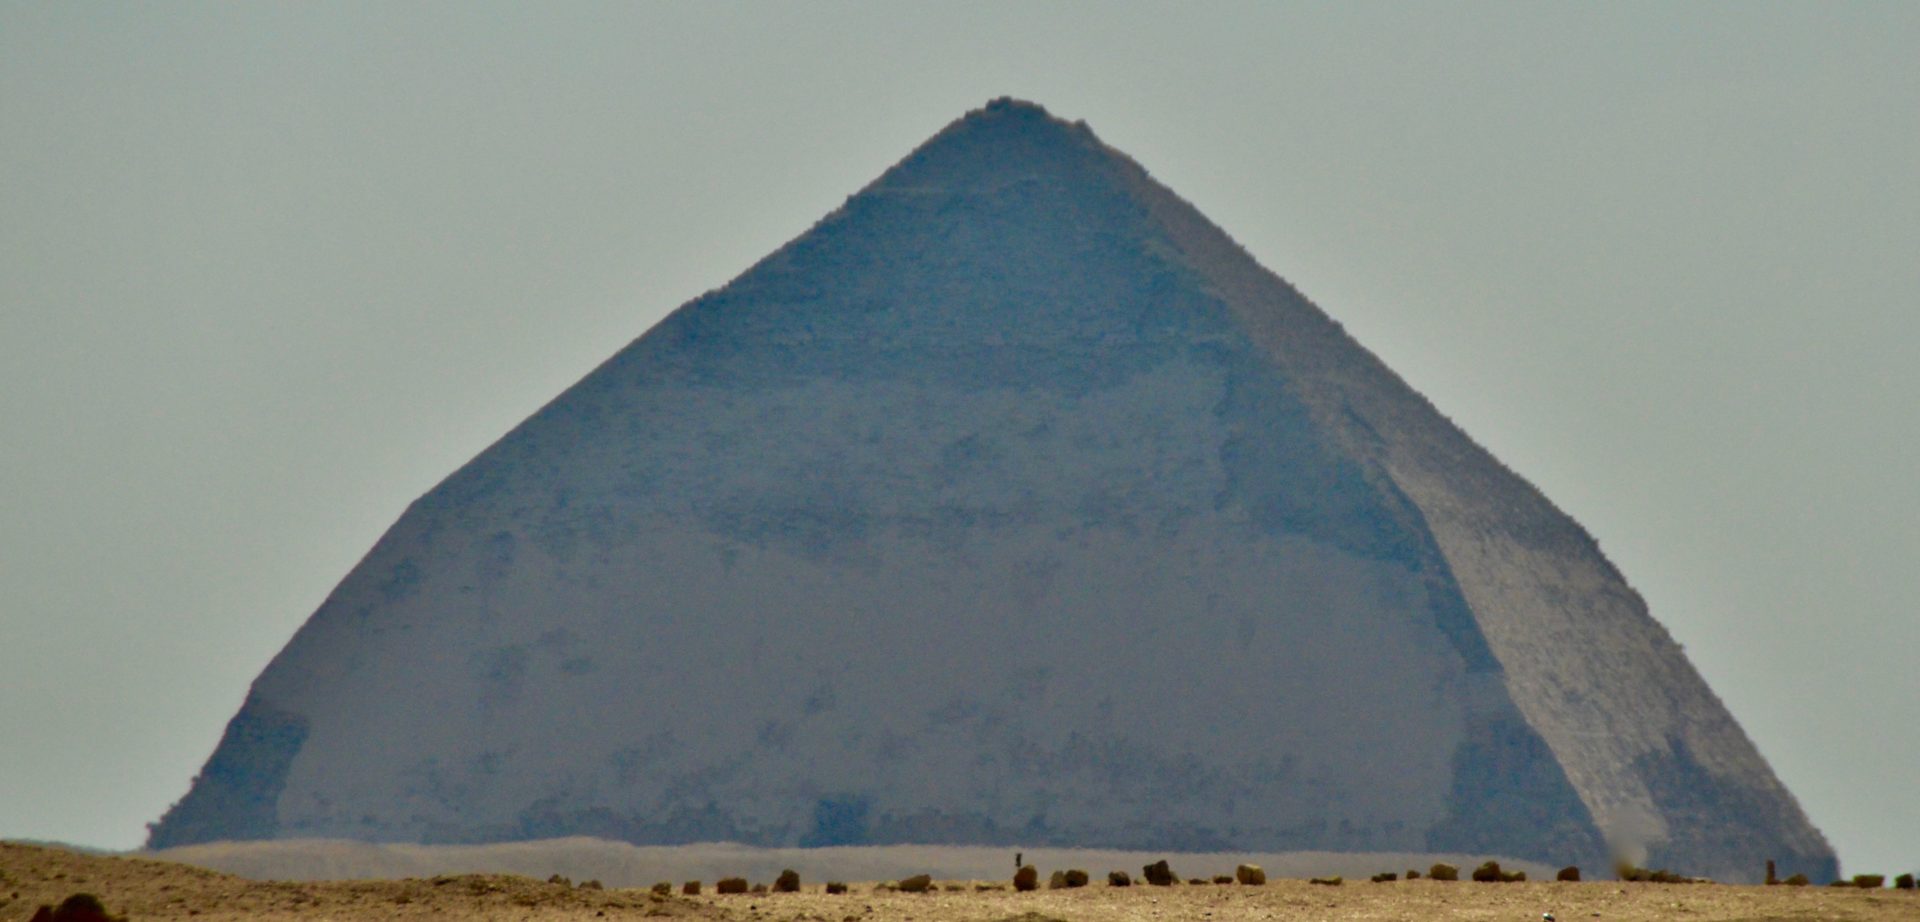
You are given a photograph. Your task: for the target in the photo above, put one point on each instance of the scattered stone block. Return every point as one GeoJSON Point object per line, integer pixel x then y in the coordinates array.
{"type": "Point", "coordinates": [1159, 874]}
{"type": "Point", "coordinates": [836, 887]}
{"type": "Point", "coordinates": [80, 907]}
{"type": "Point", "coordinates": [1569, 874]}
{"type": "Point", "coordinates": [730, 885]}
{"type": "Point", "coordinates": [1443, 871]}
{"type": "Point", "coordinates": [1118, 879]}
{"type": "Point", "coordinates": [690, 888]}
{"type": "Point", "coordinates": [1327, 881]}
{"type": "Point", "coordinates": [918, 883]}
{"type": "Point", "coordinates": [1631, 873]}
{"type": "Point", "coordinates": [1026, 879]}
{"type": "Point", "coordinates": [1250, 875]}
{"type": "Point", "coordinates": [787, 882]}
{"type": "Point", "coordinates": [1076, 878]}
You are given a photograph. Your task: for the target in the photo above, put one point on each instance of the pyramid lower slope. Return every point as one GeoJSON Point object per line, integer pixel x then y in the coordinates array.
{"type": "Point", "coordinates": [1011, 504]}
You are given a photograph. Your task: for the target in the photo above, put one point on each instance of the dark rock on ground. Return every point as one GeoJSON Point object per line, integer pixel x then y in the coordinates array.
{"type": "Point", "coordinates": [1159, 874]}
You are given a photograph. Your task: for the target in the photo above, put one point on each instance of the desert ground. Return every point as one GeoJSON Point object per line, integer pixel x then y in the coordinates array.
{"type": "Point", "coordinates": [143, 888]}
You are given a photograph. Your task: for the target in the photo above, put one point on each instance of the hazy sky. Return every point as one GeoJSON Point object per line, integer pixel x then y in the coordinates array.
{"type": "Point", "coordinates": [269, 272]}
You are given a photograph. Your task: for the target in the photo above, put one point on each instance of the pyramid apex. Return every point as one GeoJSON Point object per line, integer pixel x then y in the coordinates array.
{"type": "Point", "coordinates": [1009, 111]}
{"type": "Point", "coordinates": [1010, 104]}
{"type": "Point", "coordinates": [1006, 135]}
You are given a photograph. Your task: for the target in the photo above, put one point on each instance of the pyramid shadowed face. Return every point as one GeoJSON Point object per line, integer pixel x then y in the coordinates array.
{"type": "Point", "coordinates": [1012, 504]}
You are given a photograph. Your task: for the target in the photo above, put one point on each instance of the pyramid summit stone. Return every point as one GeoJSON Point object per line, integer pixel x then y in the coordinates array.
{"type": "Point", "coordinates": [1011, 503]}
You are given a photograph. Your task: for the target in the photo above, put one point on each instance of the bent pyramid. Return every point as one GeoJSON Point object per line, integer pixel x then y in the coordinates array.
{"type": "Point", "coordinates": [1013, 503]}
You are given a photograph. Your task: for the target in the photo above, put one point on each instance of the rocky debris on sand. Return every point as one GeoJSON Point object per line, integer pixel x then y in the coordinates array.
{"type": "Point", "coordinates": [1159, 874]}
{"type": "Point", "coordinates": [80, 907]}
{"type": "Point", "coordinates": [1490, 872]}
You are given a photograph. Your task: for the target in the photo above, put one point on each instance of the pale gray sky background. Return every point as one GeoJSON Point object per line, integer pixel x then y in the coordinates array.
{"type": "Point", "coordinates": [269, 272]}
